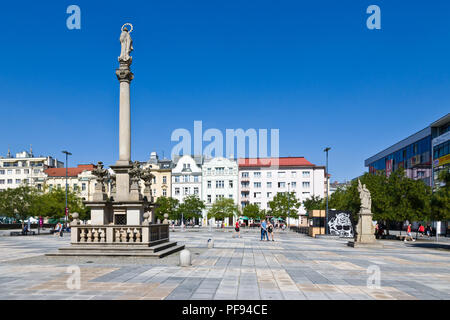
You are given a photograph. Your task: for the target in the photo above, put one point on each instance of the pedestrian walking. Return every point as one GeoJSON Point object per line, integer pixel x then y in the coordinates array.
{"type": "Point", "coordinates": [408, 233]}
{"type": "Point", "coordinates": [264, 231]}
{"type": "Point", "coordinates": [237, 229]}
{"type": "Point", "coordinates": [270, 231]}
{"type": "Point", "coordinates": [57, 229]}
{"type": "Point", "coordinates": [421, 230]}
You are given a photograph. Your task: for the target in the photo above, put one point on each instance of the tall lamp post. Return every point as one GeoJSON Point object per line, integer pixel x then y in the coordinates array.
{"type": "Point", "coordinates": [67, 153]}
{"type": "Point", "coordinates": [289, 205]}
{"type": "Point", "coordinates": [326, 173]}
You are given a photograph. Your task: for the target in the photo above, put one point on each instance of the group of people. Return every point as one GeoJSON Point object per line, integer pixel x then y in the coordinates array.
{"type": "Point", "coordinates": [267, 230]}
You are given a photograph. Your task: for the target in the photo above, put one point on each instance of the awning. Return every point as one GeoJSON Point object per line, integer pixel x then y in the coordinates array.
{"type": "Point", "coordinates": [243, 218]}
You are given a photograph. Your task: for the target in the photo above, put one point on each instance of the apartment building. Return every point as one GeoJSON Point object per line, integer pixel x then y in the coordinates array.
{"type": "Point", "coordinates": [25, 169]}
{"type": "Point", "coordinates": [219, 180]}
{"type": "Point", "coordinates": [261, 179]}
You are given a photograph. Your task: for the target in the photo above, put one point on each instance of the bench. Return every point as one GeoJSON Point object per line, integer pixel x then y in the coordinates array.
{"type": "Point", "coordinates": [22, 233]}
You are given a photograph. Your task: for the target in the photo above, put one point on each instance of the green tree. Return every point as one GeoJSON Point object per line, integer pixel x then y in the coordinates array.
{"type": "Point", "coordinates": [284, 205]}
{"type": "Point", "coordinates": [440, 200]}
{"type": "Point", "coordinates": [252, 211]}
{"type": "Point", "coordinates": [407, 199]}
{"type": "Point", "coordinates": [191, 207]}
{"type": "Point", "coordinates": [314, 203]}
{"type": "Point", "coordinates": [17, 203]}
{"type": "Point", "coordinates": [223, 208]}
{"type": "Point", "coordinates": [167, 205]}
{"type": "Point", "coordinates": [55, 203]}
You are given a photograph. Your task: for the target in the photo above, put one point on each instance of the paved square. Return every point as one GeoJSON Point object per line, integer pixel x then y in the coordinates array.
{"type": "Point", "coordinates": [293, 267]}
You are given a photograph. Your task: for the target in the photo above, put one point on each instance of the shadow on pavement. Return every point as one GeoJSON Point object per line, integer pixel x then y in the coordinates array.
{"type": "Point", "coordinates": [432, 245]}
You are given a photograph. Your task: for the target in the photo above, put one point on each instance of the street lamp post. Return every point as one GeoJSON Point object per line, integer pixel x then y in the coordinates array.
{"type": "Point", "coordinates": [326, 173]}
{"type": "Point", "coordinates": [289, 204]}
{"type": "Point", "coordinates": [67, 153]}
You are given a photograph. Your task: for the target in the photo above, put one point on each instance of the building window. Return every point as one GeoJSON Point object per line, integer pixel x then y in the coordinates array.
{"type": "Point", "coordinates": [18, 181]}
{"type": "Point", "coordinates": [209, 184]}
{"type": "Point", "coordinates": [164, 180]}
{"type": "Point", "coordinates": [220, 184]}
{"type": "Point", "coordinates": [294, 184]}
{"type": "Point", "coordinates": [305, 184]}
{"type": "Point", "coordinates": [185, 178]}
{"type": "Point", "coordinates": [164, 193]}
{"type": "Point", "coordinates": [83, 187]}
{"type": "Point", "coordinates": [294, 174]}
{"type": "Point", "coordinates": [269, 194]}
{"type": "Point", "coordinates": [195, 190]}
{"type": "Point", "coordinates": [305, 174]}
{"type": "Point", "coordinates": [219, 197]}
{"type": "Point", "coordinates": [281, 184]}
{"type": "Point", "coordinates": [257, 174]}
{"type": "Point", "coordinates": [10, 181]}
{"type": "Point", "coordinates": [269, 184]}
{"type": "Point", "coordinates": [257, 195]}
{"type": "Point", "coordinates": [75, 187]}
{"type": "Point", "coordinates": [26, 171]}
{"type": "Point", "coordinates": [2, 171]}
{"type": "Point", "coordinates": [177, 178]}
{"type": "Point", "coordinates": [209, 198]}
{"type": "Point", "coordinates": [9, 171]}
{"type": "Point", "coordinates": [269, 174]}
{"type": "Point", "coordinates": [231, 183]}
{"type": "Point", "coordinates": [220, 170]}
{"type": "Point", "coordinates": [177, 191]}
{"type": "Point", "coordinates": [257, 184]}
{"type": "Point", "coordinates": [17, 171]}
{"type": "Point", "coordinates": [2, 181]}
{"type": "Point", "coordinates": [50, 187]}
{"type": "Point", "coordinates": [281, 174]}
{"type": "Point", "coordinates": [195, 178]}
{"type": "Point", "coordinates": [154, 180]}
{"type": "Point", "coordinates": [230, 196]}
{"type": "Point", "coordinates": [36, 171]}
{"type": "Point", "coordinates": [244, 175]}
{"type": "Point", "coordinates": [185, 190]}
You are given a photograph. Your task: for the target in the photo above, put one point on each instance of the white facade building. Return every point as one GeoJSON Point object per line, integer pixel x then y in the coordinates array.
{"type": "Point", "coordinates": [25, 169]}
{"type": "Point", "coordinates": [219, 180]}
{"type": "Point", "coordinates": [261, 179]}
{"type": "Point", "coordinates": [186, 177]}
{"type": "Point", "coordinates": [80, 180]}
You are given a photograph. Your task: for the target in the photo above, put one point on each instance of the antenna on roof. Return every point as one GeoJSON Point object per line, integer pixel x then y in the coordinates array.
{"type": "Point", "coordinates": [31, 150]}
{"type": "Point", "coordinates": [9, 153]}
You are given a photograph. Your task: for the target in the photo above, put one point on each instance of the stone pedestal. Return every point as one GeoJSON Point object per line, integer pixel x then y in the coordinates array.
{"type": "Point", "coordinates": [365, 231]}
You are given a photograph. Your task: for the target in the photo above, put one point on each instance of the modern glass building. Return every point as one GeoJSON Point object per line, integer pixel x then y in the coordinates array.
{"type": "Point", "coordinates": [440, 134]}
{"type": "Point", "coordinates": [414, 154]}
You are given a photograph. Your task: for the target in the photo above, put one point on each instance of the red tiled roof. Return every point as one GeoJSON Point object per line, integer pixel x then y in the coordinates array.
{"type": "Point", "coordinates": [280, 162]}
{"type": "Point", "coordinates": [71, 172]}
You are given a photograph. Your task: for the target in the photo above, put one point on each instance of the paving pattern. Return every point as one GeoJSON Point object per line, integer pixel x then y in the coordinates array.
{"type": "Point", "coordinates": [293, 267]}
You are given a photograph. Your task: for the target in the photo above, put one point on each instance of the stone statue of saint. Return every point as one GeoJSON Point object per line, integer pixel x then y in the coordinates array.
{"type": "Point", "coordinates": [364, 195]}
{"type": "Point", "coordinates": [126, 44]}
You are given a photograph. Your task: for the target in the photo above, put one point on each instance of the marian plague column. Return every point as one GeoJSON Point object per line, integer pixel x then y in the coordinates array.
{"type": "Point", "coordinates": [121, 223]}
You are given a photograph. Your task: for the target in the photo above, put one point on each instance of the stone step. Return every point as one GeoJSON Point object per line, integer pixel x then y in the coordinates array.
{"type": "Point", "coordinates": [162, 250]}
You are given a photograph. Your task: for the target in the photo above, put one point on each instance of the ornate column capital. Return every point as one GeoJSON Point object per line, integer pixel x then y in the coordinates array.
{"type": "Point", "coordinates": [124, 73]}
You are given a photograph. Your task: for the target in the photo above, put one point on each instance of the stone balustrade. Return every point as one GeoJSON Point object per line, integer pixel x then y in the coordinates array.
{"type": "Point", "coordinates": [119, 234]}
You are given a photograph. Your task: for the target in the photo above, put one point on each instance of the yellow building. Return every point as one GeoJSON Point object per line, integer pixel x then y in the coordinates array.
{"type": "Point", "coordinates": [162, 171]}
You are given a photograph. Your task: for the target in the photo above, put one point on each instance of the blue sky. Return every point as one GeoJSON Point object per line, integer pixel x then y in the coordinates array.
{"type": "Point", "coordinates": [309, 68]}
